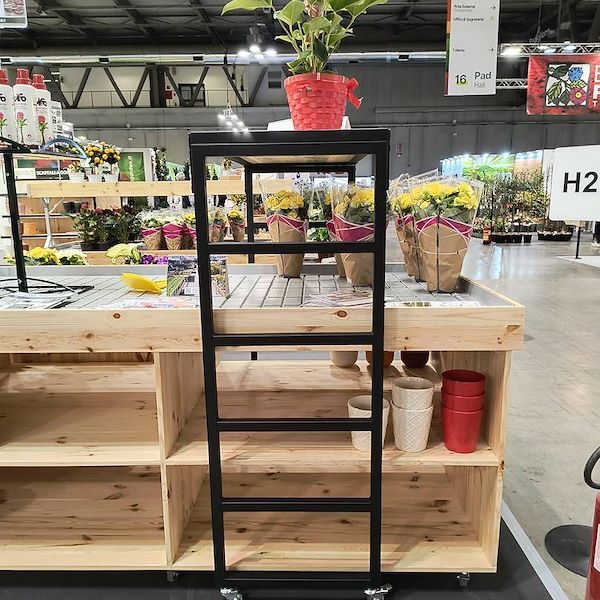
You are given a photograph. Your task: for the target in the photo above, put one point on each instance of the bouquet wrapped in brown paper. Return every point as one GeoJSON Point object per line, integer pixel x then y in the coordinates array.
{"type": "Point", "coordinates": [173, 232]}
{"type": "Point", "coordinates": [151, 229]}
{"type": "Point", "coordinates": [354, 221]}
{"type": "Point", "coordinates": [190, 230]}
{"type": "Point", "coordinates": [287, 221]}
{"type": "Point", "coordinates": [324, 196]}
{"type": "Point", "coordinates": [444, 213]}
{"type": "Point", "coordinates": [216, 225]}
{"type": "Point", "coordinates": [237, 224]}
{"type": "Point", "coordinates": [402, 201]}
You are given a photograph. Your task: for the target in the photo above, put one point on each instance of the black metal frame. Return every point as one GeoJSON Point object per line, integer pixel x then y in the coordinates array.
{"type": "Point", "coordinates": [355, 143]}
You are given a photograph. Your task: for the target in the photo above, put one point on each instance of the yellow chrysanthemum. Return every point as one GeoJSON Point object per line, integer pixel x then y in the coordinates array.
{"type": "Point", "coordinates": [284, 200]}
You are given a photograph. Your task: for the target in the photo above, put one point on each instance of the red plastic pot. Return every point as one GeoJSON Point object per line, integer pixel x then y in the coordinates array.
{"type": "Point", "coordinates": [318, 100]}
{"type": "Point", "coordinates": [464, 403]}
{"type": "Point", "coordinates": [414, 360]}
{"type": "Point", "coordinates": [461, 382]}
{"type": "Point", "coordinates": [461, 429]}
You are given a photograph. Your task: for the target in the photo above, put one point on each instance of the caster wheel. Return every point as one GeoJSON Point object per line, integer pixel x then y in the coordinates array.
{"type": "Point", "coordinates": [463, 580]}
{"type": "Point", "coordinates": [230, 594]}
{"type": "Point", "coordinates": [378, 593]}
{"type": "Point", "coordinates": [172, 576]}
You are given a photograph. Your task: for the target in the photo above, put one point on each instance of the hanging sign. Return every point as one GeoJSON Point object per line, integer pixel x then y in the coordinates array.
{"type": "Point", "coordinates": [563, 85]}
{"type": "Point", "coordinates": [472, 47]}
{"type": "Point", "coordinates": [13, 14]}
{"type": "Point", "coordinates": [575, 191]}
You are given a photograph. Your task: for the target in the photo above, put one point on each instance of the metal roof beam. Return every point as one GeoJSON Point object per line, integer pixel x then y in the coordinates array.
{"type": "Point", "coordinates": [137, 17]}
{"type": "Point", "coordinates": [215, 33]}
{"type": "Point", "coordinates": [69, 18]}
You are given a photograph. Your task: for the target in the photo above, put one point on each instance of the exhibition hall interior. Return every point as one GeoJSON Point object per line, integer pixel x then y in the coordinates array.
{"type": "Point", "coordinates": [298, 299]}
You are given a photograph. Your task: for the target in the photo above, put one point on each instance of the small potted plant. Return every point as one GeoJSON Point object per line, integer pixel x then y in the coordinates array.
{"type": "Point", "coordinates": [237, 224]}
{"type": "Point", "coordinates": [216, 225]}
{"type": "Point", "coordinates": [86, 223]}
{"type": "Point", "coordinates": [151, 229]}
{"type": "Point", "coordinates": [189, 220]}
{"type": "Point", "coordinates": [95, 152]}
{"type": "Point", "coordinates": [111, 162]}
{"type": "Point", "coordinates": [76, 171]}
{"type": "Point", "coordinates": [315, 29]}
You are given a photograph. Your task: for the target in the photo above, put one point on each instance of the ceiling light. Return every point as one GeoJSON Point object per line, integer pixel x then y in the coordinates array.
{"type": "Point", "coordinates": [235, 129]}
{"type": "Point", "coordinates": [255, 48]}
{"type": "Point", "coordinates": [240, 125]}
{"type": "Point", "coordinates": [568, 47]}
{"type": "Point", "coordinates": [549, 50]}
{"type": "Point", "coordinates": [220, 116]}
{"type": "Point", "coordinates": [228, 123]}
{"type": "Point", "coordinates": [234, 117]}
{"type": "Point", "coordinates": [246, 130]}
{"type": "Point", "coordinates": [271, 52]}
{"type": "Point", "coordinates": [243, 53]}
{"type": "Point", "coordinates": [512, 51]}
{"type": "Point", "coordinates": [259, 56]}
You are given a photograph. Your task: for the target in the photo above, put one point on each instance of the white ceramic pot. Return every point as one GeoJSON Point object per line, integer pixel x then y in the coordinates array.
{"type": "Point", "coordinates": [359, 407]}
{"type": "Point", "coordinates": [79, 177]}
{"type": "Point", "coordinates": [411, 428]}
{"type": "Point", "coordinates": [111, 177]}
{"type": "Point", "coordinates": [95, 178]}
{"type": "Point", "coordinates": [344, 358]}
{"type": "Point", "coordinates": [412, 393]}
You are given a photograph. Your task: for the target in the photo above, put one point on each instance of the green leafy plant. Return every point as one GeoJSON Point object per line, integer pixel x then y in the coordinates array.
{"type": "Point", "coordinates": [314, 28]}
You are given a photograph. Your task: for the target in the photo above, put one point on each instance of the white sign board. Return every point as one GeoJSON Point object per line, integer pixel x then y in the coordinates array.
{"type": "Point", "coordinates": [575, 192]}
{"type": "Point", "coordinates": [472, 51]}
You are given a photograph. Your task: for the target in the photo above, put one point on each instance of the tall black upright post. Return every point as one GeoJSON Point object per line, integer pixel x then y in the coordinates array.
{"type": "Point", "coordinates": [578, 242]}
{"type": "Point", "coordinates": [15, 220]}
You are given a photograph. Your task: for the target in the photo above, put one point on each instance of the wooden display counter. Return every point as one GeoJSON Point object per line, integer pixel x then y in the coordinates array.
{"type": "Point", "coordinates": [103, 451]}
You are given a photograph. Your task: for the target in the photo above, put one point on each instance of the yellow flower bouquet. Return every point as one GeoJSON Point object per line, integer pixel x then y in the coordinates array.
{"type": "Point", "coordinates": [237, 225]}
{"type": "Point", "coordinates": [216, 224]}
{"type": "Point", "coordinates": [444, 214]}
{"type": "Point", "coordinates": [354, 221]}
{"type": "Point", "coordinates": [287, 213]}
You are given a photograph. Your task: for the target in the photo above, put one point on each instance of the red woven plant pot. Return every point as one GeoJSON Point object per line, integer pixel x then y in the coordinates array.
{"type": "Point", "coordinates": [318, 100]}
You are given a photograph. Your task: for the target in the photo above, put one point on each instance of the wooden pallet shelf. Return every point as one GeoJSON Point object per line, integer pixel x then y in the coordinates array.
{"type": "Point", "coordinates": [278, 389]}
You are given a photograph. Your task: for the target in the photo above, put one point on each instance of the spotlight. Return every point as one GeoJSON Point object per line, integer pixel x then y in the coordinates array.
{"type": "Point", "coordinates": [246, 130]}
{"type": "Point", "coordinates": [255, 48]}
{"type": "Point", "coordinates": [220, 116]}
{"type": "Point", "coordinates": [549, 50]}
{"type": "Point", "coordinates": [568, 47]}
{"type": "Point", "coordinates": [228, 123]}
{"type": "Point", "coordinates": [234, 117]}
{"type": "Point", "coordinates": [512, 51]}
{"type": "Point", "coordinates": [271, 52]}
{"type": "Point", "coordinates": [240, 125]}
{"type": "Point", "coordinates": [243, 53]}
{"type": "Point", "coordinates": [259, 56]}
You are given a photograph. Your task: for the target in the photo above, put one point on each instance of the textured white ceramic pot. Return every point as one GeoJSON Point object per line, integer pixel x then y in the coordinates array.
{"type": "Point", "coordinates": [344, 358]}
{"type": "Point", "coordinates": [411, 428]}
{"type": "Point", "coordinates": [412, 393]}
{"type": "Point", "coordinates": [359, 407]}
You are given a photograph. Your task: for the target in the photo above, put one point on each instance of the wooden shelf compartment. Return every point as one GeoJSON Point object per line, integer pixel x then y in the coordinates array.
{"type": "Point", "coordinates": [305, 389]}
{"type": "Point", "coordinates": [439, 520]}
{"type": "Point", "coordinates": [75, 518]}
{"type": "Point", "coordinates": [78, 414]}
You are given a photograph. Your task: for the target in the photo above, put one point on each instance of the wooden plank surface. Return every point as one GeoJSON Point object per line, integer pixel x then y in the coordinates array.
{"type": "Point", "coordinates": [440, 539]}
{"type": "Point", "coordinates": [80, 519]}
{"type": "Point", "coordinates": [304, 389]}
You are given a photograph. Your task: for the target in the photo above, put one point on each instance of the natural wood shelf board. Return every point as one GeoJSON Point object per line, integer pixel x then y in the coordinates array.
{"type": "Point", "coordinates": [280, 389]}
{"type": "Point", "coordinates": [75, 518]}
{"type": "Point", "coordinates": [440, 539]}
{"type": "Point", "coordinates": [55, 415]}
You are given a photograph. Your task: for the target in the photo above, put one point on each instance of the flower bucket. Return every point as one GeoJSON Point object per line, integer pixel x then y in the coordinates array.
{"type": "Point", "coordinates": [405, 231]}
{"type": "Point", "coordinates": [153, 237]}
{"type": "Point", "coordinates": [173, 233]}
{"type": "Point", "coordinates": [286, 229]}
{"type": "Point", "coordinates": [318, 100]}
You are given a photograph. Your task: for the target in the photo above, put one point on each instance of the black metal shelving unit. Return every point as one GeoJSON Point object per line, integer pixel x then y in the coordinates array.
{"type": "Point", "coordinates": [277, 152]}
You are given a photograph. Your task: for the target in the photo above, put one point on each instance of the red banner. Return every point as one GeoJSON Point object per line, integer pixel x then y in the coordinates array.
{"type": "Point", "coordinates": [563, 85]}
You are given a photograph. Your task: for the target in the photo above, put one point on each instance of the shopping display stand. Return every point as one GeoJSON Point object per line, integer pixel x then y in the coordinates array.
{"type": "Point", "coordinates": [281, 152]}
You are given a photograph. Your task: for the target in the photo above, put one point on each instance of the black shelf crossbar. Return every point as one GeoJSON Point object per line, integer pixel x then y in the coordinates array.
{"type": "Point", "coordinates": [267, 247]}
{"type": "Point", "coordinates": [299, 424]}
{"type": "Point", "coordinates": [293, 339]}
{"type": "Point", "coordinates": [352, 505]}
{"type": "Point", "coordinates": [346, 148]}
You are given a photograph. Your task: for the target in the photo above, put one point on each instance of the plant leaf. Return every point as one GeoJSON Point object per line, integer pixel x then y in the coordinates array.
{"type": "Point", "coordinates": [285, 38]}
{"type": "Point", "coordinates": [290, 14]}
{"type": "Point", "coordinates": [335, 20]}
{"type": "Point", "coordinates": [246, 5]}
{"type": "Point", "coordinates": [360, 7]}
{"type": "Point", "coordinates": [320, 50]}
{"type": "Point", "coordinates": [561, 71]}
{"type": "Point", "coordinates": [318, 24]}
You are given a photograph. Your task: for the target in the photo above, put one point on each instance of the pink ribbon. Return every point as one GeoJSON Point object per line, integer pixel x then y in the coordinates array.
{"type": "Point", "coordinates": [352, 85]}
{"type": "Point", "coordinates": [297, 224]}
{"type": "Point", "coordinates": [462, 228]}
{"type": "Point", "coordinates": [331, 228]}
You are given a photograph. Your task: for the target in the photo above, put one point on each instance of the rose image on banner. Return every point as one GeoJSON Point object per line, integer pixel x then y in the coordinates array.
{"type": "Point", "coordinates": [353, 218]}
{"type": "Point", "coordinates": [444, 213]}
{"type": "Point", "coordinates": [325, 199]}
{"type": "Point", "coordinates": [565, 84]}
{"type": "Point", "coordinates": [287, 213]}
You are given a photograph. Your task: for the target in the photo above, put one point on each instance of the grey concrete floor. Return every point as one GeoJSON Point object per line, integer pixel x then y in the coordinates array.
{"type": "Point", "coordinates": [554, 401]}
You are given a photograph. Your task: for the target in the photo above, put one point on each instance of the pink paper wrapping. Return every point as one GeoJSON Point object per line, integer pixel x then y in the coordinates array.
{"type": "Point", "coordinates": [358, 267]}
{"type": "Point", "coordinates": [153, 237]}
{"type": "Point", "coordinates": [173, 233]}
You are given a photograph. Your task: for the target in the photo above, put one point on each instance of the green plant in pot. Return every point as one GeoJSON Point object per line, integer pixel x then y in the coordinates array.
{"type": "Point", "coordinates": [315, 29]}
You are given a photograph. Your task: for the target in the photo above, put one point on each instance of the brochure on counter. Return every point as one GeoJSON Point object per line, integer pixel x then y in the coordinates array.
{"type": "Point", "coordinates": [28, 301]}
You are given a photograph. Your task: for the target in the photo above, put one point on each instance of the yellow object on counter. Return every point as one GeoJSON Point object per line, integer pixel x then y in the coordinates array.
{"type": "Point", "coordinates": [143, 284]}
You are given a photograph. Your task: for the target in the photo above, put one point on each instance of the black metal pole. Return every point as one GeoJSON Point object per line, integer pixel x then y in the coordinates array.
{"type": "Point", "coordinates": [15, 221]}
{"type": "Point", "coordinates": [249, 187]}
{"type": "Point", "coordinates": [578, 242]}
{"type": "Point", "coordinates": [198, 170]}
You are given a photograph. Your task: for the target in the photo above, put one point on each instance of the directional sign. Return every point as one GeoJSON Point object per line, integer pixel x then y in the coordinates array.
{"type": "Point", "coordinates": [472, 47]}
{"type": "Point", "coordinates": [575, 193]}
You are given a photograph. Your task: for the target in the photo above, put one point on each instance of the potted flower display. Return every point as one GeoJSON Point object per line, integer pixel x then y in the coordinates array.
{"type": "Point", "coordinates": [173, 231]}
{"type": "Point", "coordinates": [237, 225]}
{"type": "Point", "coordinates": [216, 225]}
{"type": "Point", "coordinates": [189, 220]}
{"type": "Point", "coordinates": [76, 171]}
{"type": "Point", "coordinates": [402, 205]}
{"type": "Point", "coordinates": [151, 225]}
{"type": "Point", "coordinates": [287, 213]}
{"type": "Point", "coordinates": [86, 224]}
{"type": "Point", "coordinates": [325, 198]}
{"type": "Point", "coordinates": [354, 221]}
{"type": "Point", "coordinates": [111, 162]}
{"type": "Point", "coordinates": [101, 154]}
{"type": "Point", "coordinates": [444, 214]}
{"type": "Point", "coordinates": [315, 29]}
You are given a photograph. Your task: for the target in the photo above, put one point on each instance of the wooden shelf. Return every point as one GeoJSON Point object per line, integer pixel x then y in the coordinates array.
{"type": "Point", "coordinates": [425, 527]}
{"type": "Point", "coordinates": [81, 519]}
{"type": "Point", "coordinates": [56, 415]}
{"type": "Point", "coordinates": [279, 389]}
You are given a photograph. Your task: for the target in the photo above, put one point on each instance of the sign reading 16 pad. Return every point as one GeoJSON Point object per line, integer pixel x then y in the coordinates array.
{"type": "Point", "coordinates": [575, 193]}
